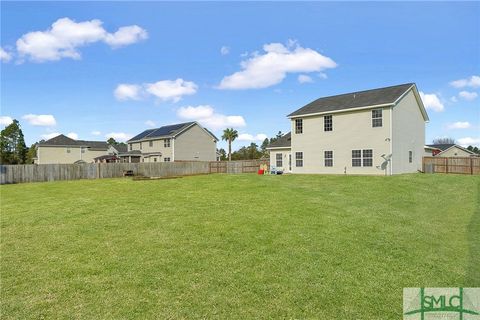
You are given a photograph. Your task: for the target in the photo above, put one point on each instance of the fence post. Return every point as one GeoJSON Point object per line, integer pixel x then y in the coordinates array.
{"type": "Point", "coordinates": [471, 166]}
{"type": "Point", "coordinates": [446, 165]}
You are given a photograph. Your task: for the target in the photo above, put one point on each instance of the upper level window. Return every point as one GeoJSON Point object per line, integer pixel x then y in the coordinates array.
{"type": "Point", "coordinates": [140, 146]}
{"type": "Point", "coordinates": [83, 150]}
{"type": "Point", "coordinates": [328, 158]}
{"type": "Point", "coordinates": [376, 118]}
{"type": "Point", "coordinates": [298, 126]}
{"type": "Point", "coordinates": [327, 123]}
{"type": "Point", "coordinates": [68, 150]}
{"type": "Point", "coordinates": [166, 143]}
{"type": "Point", "coordinates": [150, 144]}
{"type": "Point", "coordinates": [130, 146]}
{"type": "Point", "coordinates": [299, 159]}
{"type": "Point", "coordinates": [410, 156]}
{"type": "Point", "coordinates": [278, 158]}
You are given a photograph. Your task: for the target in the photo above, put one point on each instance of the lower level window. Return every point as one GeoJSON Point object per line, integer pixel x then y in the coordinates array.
{"type": "Point", "coordinates": [328, 158]}
{"type": "Point", "coordinates": [166, 159]}
{"type": "Point", "coordinates": [362, 158]}
{"type": "Point", "coordinates": [278, 158]}
{"type": "Point", "coordinates": [154, 159]}
{"type": "Point", "coordinates": [299, 159]}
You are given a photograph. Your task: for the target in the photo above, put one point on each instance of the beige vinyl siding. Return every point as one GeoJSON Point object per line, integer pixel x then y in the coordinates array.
{"type": "Point", "coordinates": [454, 152]}
{"type": "Point", "coordinates": [285, 152]}
{"type": "Point", "coordinates": [157, 147]}
{"type": "Point", "coordinates": [51, 154]}
{"type": "Point", "coordinates": [351, 131]}
{"type": "Point", "coordinates": [408, 134]}
{"type": "Point", "coordinates": [195, 144]}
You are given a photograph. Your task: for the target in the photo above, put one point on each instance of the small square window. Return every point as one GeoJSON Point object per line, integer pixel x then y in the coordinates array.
{"type": "Point", "coordinates": [68, 150]}
{"type": "Point", "coordinates": [155, 159]}
{"type": "Point", "coordinates": [327, 123]}
{"type": "Point", "coordinates": [298, 126]}
{"type": "Point", "coordinates": [299, 159]}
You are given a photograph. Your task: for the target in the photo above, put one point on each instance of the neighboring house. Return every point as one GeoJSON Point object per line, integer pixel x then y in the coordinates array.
{"type": "Point", "coordinates": [62, 149]}
{"type": "Point", "coordinates": [280, 155]}
{"type": "Point", "coordinates": [451, 150]}
{"type": "Point", "coordinates": [112, 154]}
{"type": "Point", "coordinates": [431, 151]}
{"type": "Point", "coordinates": [177, 142]}
{"type": "Point", "coordinates": [355, 133]}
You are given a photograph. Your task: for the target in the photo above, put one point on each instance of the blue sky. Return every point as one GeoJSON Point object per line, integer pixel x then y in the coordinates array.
{"type": "Point", "coordinates": [96, 69]}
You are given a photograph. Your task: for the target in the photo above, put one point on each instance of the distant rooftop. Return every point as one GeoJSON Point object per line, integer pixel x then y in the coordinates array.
{"type": "Point", "coordinates": [165, 131]}
{"type": "Point", "coordinates": [283, 142]}
{"type": "Point", "coordinates": [62, 140]}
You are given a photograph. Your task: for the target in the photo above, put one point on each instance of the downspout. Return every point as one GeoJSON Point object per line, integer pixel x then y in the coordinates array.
{"type": "Point", "coordinates": [391, 140]}
{"type": "Point", "coordinates": [173, 149]}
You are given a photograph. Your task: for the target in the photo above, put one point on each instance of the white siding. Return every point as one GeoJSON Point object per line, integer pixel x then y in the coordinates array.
{"type": "Point", "coordinates": [285, 153]}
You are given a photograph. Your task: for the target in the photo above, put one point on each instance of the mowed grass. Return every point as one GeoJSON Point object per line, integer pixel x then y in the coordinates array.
{"type": "Point", "coordinates": [235, 246]}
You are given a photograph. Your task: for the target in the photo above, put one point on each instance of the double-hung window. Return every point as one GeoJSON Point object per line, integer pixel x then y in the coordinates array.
{"type": "Point", "coordinates": [410, 156]}
{"type": "Point", "coordinates": [376, 118]}
{"type": "Point", "coordinates": [166, 159]}
{"type": "Point", "coordinates": [278, 158]}
{"type": "Point", "coordinates": [299, 159]}
{"type": "Point", "coordinates": [166, 143]}
{"type": "Point", "coordinates": [150, 143]}
{"type": "Point", "coordinates": [328, 155]}
{"type": "Point", "coordinates": [298, 126]}
{"type": "Point", "coordinates": [362, 158]}
{"type": "Point", "coordinates": [327, 123]}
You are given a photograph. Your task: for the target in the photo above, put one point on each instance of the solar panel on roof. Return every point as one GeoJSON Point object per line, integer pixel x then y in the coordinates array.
{"type": "Point", "coordinates": [168, 130]}
{"type": "Point", "coordinates": [142, 135]}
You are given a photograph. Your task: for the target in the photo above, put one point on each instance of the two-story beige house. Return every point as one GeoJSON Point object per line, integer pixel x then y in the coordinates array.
{"type": "Point", "coordinates": [379, 131]}
{"type": "Point", "coordinates": [62, 149]}
{"type": "Point", "coordinates": [177, 142]}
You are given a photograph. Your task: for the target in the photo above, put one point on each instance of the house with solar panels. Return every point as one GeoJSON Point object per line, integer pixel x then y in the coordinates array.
{"type": "Point", "coordinates": [177, 142]}
{"type": "Point", "coordinates": [377, 131]}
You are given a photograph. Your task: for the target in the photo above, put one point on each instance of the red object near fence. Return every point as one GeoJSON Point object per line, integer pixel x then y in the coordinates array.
{"type": "Point", "coordinates": [260, 171]}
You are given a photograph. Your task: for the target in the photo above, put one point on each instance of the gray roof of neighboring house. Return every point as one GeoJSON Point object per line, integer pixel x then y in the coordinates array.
{"type": "Point", "coordinates": [445, 146]}
{"type": "Point", "coordinates": [165, 131]}
{"type": "Point", "coordinates": [62, 140]}
{"type": "Point", "coordinates": [387, 95]}
{"type": "Point", "coordinates": [121, 148]}
{"type": "Point", "coordinates": [283, 142]}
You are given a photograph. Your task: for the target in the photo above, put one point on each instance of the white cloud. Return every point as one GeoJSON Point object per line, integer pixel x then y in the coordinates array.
{"type": "Point", "coordinates": [5, 120]}
{"type": "Point", "coordinates": [128, 91]}
{"type": "Point", "coordinates": [224, 50]}
{"type": "Point", "coordinates": [150, 123]}
{"type": "Point", "coordinates": [4, 55]}
{"type": "Point", "coordinates": [40, 119]}
{"type": "Point", "coordinates": [125, 36]}
{"type": "Point", "coordinates": [469, 141]}
{"type": "Point", "coordinates": [323, 75]}
{"type": "Point", "coordinates": [432, 102]}
{"type": "Point", "coordinates": [206, 115]}
{"type": "Point", "coordinates": [65, 36]}
{"type": "Point", "coordinates": [118, 136]}
{"type": "Point", "coordinates": [172, 90]}
{"type": "Point", "coordinates": [303, 78]}
{"type": "Point", "coordinates": [249, 137]}
{"type": "Point", "coordinates": [454, 99]}
{"type": "Point", "coordinates": [96, 133]}
{"type": "Point", "coordinates": [48, 136]}
{"type": "Point", "coordinates": [165, 90]}
{"type": "Point", "coordinates": [467, 95]}
{"type": "Point", "coordinates": [72, 135]}
{"type": "Point", "coordinates": [270, 68]}
{"type": "Point", "coordinates": [460, 125]}
{"type": "Point", "coordinates": [473, 81]}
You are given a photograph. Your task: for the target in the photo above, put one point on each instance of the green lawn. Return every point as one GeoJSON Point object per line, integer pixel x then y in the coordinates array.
{"type": "Point", "coordinates": [235, 246]}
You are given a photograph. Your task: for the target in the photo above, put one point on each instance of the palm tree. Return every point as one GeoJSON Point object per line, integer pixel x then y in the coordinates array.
{"type": "Point", "coordinates": [229, 135]}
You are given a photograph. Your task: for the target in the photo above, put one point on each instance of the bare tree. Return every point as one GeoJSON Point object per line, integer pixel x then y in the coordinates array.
{"type": "Point", "coordinates": [443, 141]}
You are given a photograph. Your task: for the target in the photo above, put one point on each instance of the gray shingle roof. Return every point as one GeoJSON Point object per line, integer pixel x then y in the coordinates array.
{"type": "Point", "coordinates": [387, 95]}
{"type": "Point", "coordinates": [165, 131]}
{"type": "Point", "coordinates": [121, 148]}
{"type": "Point", "coordinates": [62, 140]}
{"type": "Point", "coordinates": [284, 142]}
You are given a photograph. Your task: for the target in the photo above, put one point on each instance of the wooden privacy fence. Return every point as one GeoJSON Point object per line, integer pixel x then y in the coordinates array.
{"type": "Point", "coordinates": [240, 166]}
{"type": "Point", "coordinates": [460, 165]}
{"type": "Point", "coordinates": [54, 172]}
